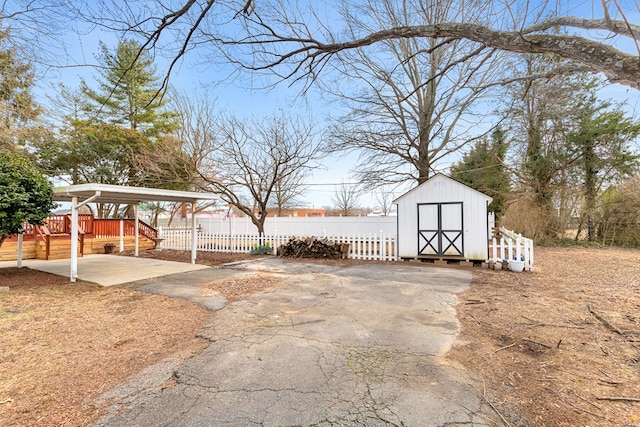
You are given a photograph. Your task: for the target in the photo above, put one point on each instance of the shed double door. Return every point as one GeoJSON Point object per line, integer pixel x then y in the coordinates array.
{"type": "Point", "coordinates": [440, 229]}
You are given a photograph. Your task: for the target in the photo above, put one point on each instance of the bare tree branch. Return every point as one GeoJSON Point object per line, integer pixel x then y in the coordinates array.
{"type": "Point", "coordinates": [256, 158]}
{"type": "Point", "coordinates": [619, 67]}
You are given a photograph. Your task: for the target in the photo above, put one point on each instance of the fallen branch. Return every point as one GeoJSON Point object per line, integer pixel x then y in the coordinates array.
{"type": "Point", "coordinates": [505, 347]}
{"type": "Point", "coordinates": [9, 400]}
{"type": "Point", "coordinates": [609, 383]}
{"type": "Point", "coordinates": [574, 406]}
{"type": "Point", "coordinates": [536, 342]}
{"type": "Point", "coordinates": [484, 395]}
{"type": "Point", "coordinates": [474, 318]}
{"type": "Point", "coordinates": [586, 401]}
{"type": "Point", "coordinates": [604, 321]}
{"type": "Point", "coordinates": [536, 324]}
{"type": "Point", "coordinates": [605, 373]}
{"type": "Point", "coordinates": [619, 399]}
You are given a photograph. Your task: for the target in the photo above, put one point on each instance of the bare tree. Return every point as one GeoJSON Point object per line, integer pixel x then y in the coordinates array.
{"type": "Point", "coordinates": [420, 99]}
{"type": "Point", "coordinates": [384, 198]}
{"type": "Point", "coordinates": [257, 156]}
{"type": "Point", "coordinates": [37, 28]}
{"type": "Point", "coordinates": [287, 190]}
{"type": "Point", "coordinates": [295, 43]}
{"type": "Point", "coordinates": [280, 40]}
{"type": "Point", "coordinates": [179, 159]}
{"type": "Point", "coordinates": [345, 199]}
{"type": "Point", "coordinates": [199, 121]}
{"type": "Point", "coordinates": [250, 163]}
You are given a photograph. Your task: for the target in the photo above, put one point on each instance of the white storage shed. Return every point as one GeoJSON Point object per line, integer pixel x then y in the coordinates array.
{"type": "Point", "coordinates": [443, 219]}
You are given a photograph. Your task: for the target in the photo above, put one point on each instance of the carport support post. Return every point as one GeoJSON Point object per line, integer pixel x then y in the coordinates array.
{"type": "Point", "coordinates": [73, 274]}
{"type": "Point", "coordinates": [194, 236]}
{"type": "Point", "coordinates": [137, 227]}
{"type": "Point", "coordinates": [20, 249]}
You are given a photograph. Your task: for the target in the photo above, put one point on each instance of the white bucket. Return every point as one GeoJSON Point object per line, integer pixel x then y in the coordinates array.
{"type": "Point", "coordinates": [516, 266]}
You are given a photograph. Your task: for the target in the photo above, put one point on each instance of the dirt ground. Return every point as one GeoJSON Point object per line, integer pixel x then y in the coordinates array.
{"type": "Point", "coordinates": [205, 258]}
{"type": "Point", "coordinates": [541, 357]}
{"type": "Point", "coordinates": [559, 346]}
{"type": "Point", "coordinates": [64, 344]}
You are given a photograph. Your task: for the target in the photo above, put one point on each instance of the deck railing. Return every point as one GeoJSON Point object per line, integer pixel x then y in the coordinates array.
{"type": "Point", "coordinates": [377, 246]}
{"type": "Point", "coordinates": [88, 226]}
{"type": "Point", "coordinates": [108, 227]}
{"type": "Point", "coordinates": [61, 224]}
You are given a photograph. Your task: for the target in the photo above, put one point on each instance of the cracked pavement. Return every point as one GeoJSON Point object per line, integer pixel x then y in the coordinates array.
{"type": "Point", "coordinates": [332, 346]}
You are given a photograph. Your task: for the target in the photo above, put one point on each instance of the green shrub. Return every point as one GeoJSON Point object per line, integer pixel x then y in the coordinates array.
{"type": "Point", "coordinates": [265, 249]}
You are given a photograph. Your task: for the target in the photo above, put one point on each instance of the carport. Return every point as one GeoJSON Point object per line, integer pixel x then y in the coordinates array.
{"type": "Point", "coordinates": [82, 194]}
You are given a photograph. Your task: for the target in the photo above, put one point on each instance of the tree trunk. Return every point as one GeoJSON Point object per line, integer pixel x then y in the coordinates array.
{"type": "Point", "coordinates": [590, 190]}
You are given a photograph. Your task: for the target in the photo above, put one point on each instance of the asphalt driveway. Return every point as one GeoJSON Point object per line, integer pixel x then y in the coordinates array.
{"type": "Point", "coordinates": [360, 345]}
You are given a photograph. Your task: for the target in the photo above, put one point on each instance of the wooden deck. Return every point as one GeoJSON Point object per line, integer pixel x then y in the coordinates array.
{"type": "Point", "coordinates": [53, 240]}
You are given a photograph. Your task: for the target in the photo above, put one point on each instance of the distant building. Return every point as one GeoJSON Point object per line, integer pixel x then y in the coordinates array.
{"type": "Point", "coordinates": [297, 212]}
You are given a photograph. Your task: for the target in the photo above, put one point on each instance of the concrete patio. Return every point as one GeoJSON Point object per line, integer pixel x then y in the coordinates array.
{"type": "Point", "coordinates": [109, 270]}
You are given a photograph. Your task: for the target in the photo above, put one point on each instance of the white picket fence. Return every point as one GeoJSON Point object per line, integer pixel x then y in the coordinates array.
{"type": "Point", "coordinates": [374, 246]}
{"type": "Point", "coordinates": [512, 246]}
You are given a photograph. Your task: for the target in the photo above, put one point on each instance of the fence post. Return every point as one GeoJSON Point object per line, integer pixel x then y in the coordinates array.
{"type": "Point", "coordinates": [494, 249]}
{"type": "Point", "coordinates": [529, 254]}
{"type": "Point", "coordinates": [372, 246]}
{"type": "Point", "coordinates": [121, 235]}
{"type": "Point", "coordinates": [275, 241]}
{"type": "Point", "coordinates": [234, 242]}
{"type": "Point", "coordinates": [393, 247]}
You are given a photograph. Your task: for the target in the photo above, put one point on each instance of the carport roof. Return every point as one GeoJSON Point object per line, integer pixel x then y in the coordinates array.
{"type": "Point", "coordinates": [106, 193]}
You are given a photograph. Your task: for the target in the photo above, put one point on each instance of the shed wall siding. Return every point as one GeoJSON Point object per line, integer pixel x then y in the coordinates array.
{"type": "Point", "coordinates": [441, 189]}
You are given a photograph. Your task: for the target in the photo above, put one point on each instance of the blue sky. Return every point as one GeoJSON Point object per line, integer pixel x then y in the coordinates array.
{"type": "Point", "coordinates": [233, 96]}
{"type": "Point", "coordinates": [237, 96]}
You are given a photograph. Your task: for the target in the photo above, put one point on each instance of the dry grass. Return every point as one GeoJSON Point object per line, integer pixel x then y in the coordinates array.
{"type": "Point", "coordinates": [65, 344]}
{"type": "Point", "coordinates": [546, 360]}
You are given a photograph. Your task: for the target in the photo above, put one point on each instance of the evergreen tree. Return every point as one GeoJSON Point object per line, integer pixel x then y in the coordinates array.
{"type": "Point", "coordinates": [128, 92]}
{"type": "Point", "coordinates": [601, 146]}
{"type": "Point", "coordinates": [98, 153]}
{"type": "Point", "coordinates": [18, 109]}
{"type": "Point", "coordinates": [540, 113]}
{"type": "Point", "coordinates": [109, 128]}
{"type": "Point", "coordinates": [482, 168]}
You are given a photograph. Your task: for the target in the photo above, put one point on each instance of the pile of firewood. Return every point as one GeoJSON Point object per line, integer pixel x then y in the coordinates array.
{"type": "Point", "coordinates": [311, 247]}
